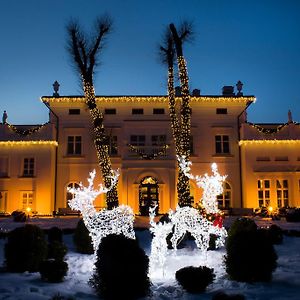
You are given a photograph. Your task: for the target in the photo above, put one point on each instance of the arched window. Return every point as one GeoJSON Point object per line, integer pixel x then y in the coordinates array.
{"type": "Point", "coordinates": [224, 200]}
{"type": "Point", "coordinates": [69, 196]}
{"type": "Point", "coordinates": [148, 195]}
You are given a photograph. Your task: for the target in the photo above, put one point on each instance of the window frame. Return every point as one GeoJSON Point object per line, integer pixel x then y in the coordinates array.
{"type": "Point", "coordinates": [264, 192]}
{"type": "Point", "coordinates": [28, 167]}
{"type": "Point", "coordinates": [72, 145]}
{"type": "Point", "coordinates": [222, 146]}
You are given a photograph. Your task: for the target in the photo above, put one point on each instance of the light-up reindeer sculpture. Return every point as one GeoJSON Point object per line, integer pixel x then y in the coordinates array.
{"type": "Point", "coordinates": [104, 222]}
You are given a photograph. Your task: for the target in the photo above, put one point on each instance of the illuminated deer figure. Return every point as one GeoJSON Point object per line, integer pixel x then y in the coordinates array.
{"type": "Point", "coordinates": [101, 223]}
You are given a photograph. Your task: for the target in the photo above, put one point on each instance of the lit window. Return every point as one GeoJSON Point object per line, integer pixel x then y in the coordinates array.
{"type": "Point", "coordinates": [263, 193]}
{"type": "Point", "coordinates": [3, 201]}
{"type": "Point", "coordinates": [69, 196]}
{"type": "Point", "coordinates": [282, 191]}
{"type": "Point", "coordinates": [224, 199]}
{"type": "Point", "coordinates": [28, 167]}
{"type": "Point", "coordinates": [27, 200]}
{"type": "Point", "coordinates": [74, 145]}
{"type": "Point", "coordinates": [222, 144]}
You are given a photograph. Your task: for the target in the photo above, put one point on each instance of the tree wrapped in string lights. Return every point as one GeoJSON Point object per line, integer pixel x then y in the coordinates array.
{"type": "Point", "coordinates": [180, 112]}
{"type": "Point", "coordinates": [84, 54]}
{"type": "Point", "coordinates": [119, 220]}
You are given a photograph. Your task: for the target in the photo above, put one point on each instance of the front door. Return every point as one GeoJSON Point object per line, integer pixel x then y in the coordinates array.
{"type": "Point", "coordinates": [148, 195]}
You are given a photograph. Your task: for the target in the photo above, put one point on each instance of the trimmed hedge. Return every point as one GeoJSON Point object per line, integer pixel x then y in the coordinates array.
{"type": "Point", "coordinates": [121, 270]}
{"type": "Point", "coordinates": [195, 279]}
{"type": "Point", "coordinates": [53, 271]}
{"type": "Point", "coordinates": [25, 249]}
{"type": "Point", "coordinates": [82, 239]}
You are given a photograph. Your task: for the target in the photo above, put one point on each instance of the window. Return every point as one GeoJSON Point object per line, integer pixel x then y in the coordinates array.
{"type": "Point", "coordinates": [110, 111]}
{"type": "Point", "coordinates": [137, 111]}
{"type": "Point", "coordinates": [158, 140]}
{"type": "Point", "coordinates": [27, 199]}
{"type": "Point", "coordinates": [221, 111]}
{"type": "Point", "coordinates": [158, 111]}
{"type": "Point", "coordinates": [28, 167]}
{"type": "Point", "coordinates": [263, 158]}
{"type": "Point", "coordinates": [282, 193]}
{"type": "Point", "coordinates": [113, 145]}
{"type": "Point", "coordinates": [263, 192]}
{"type": "Point", "coordinates": [224, 199]}
{"type": "Point", "coordinates": [137, 140]}
{"type": "Point", "coordinates": [222, 144]}
{"type": "Point", "coordinates": [3, 201]}
{"type": "Point", "coordinates": [281, 158]}
{"type": "Point", "coordinates": [74, 111]}
{"type": "Point", "coordinates": [3, 166]}
{"type": "Point", "coordinates": [74, 145]}
{"type": "Point", "coordinates": [69, 196]}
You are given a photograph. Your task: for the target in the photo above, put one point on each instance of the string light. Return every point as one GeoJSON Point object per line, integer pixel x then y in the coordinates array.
{"type": "Point", "coordinates": [267, 142]}
{"type": "Point", "coordinates": [26, 132]}
{"type": "Point", "coordinates": [28, 143]}
{"type": "Point", "coordinates": [147, 99]}
{"type": "Point", "coordinates": [146, 156]}
{"type": "Point", "coordinates": [271, 130]}
{"type": "Point", "coordinates": [101, 223]}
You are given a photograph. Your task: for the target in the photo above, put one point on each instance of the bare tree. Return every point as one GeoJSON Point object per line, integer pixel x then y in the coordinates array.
{"type": "Point", "coordinates": [85, 52]}
{"type": "Point", "coordinates": [180, 113]}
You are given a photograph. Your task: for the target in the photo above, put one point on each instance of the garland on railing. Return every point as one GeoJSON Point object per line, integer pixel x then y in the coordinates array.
{"type": "Point", "coordinates": [26, 132]}
{"type": "Point", "coordinates": [151, 156]}
{"type": "Point", "coordinates": [271, 130]}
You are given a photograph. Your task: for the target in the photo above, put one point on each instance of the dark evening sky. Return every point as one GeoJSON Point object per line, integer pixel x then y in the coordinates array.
{"type": "Point", "coordinates": [255, 41]}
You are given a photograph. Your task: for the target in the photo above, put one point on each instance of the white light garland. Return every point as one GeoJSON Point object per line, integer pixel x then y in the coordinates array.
{"type": "Point", "coordinates": [212, 185]}
{"type": "Point", "coordinates": [101, 223]}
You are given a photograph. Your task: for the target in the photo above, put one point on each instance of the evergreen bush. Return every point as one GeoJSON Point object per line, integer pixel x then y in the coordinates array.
{"type": "Point", "coordinates": [250, 256]}
{"type": "Point", "coordinates": [121, 270]}
{"type": "Point", "coordinates": [19, 216]}
{"type": "Point", "coordinates": [52, 270]}
{"type": "Point", "coordinates": [241, 224]}
{"type": "Point", "coordinates": [275, 234]}
{"type": "Point", "coordinates": [55, 234]}
{"type": "Point", "coordinates": [25, 249]}
{"type": "Point", "coordinates": [57, 250]}
{"type": "Point", "coordinates": [195, 279]}
{"type": "Point", "coordinates": [82, 239]}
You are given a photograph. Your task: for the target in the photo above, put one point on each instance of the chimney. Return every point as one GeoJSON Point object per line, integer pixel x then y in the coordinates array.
{"type": "Point", "coordinates": [196, 92]}
{"type": "Point", "coordinates": [228, 90]}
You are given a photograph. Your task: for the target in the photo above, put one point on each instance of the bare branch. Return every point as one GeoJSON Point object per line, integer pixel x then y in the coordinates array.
{"type": "Point", "coordinates": [185, 31]}
{"type": "Point", "coordinates": [166, 49]}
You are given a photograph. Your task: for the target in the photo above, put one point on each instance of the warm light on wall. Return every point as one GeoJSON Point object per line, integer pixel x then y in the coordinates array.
{"type": "Point", "coordinates": [267, 142]}
{"type": "Point", "coordinates": [28, 143]}
{"type": "Point", "coordinates": [147, 99]}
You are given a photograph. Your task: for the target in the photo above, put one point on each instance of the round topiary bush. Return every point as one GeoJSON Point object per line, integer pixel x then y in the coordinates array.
{"type": "Point", "coordinates": [57, 250]}
{"type": "Point", "coordinates": [19, 216]}
{"type": "Point", "coordinates": [241, 224]}
{"type": "Point", "coordinates": [82, 239]}
{"type": "Point", "coordinates": [52, 270]}
{"type": "Point", "coordinates": [195, 279]}
{"type": "Point", "coordinates": [121, 270]}
{"type": "Point", "coordinates": [25, 249]}
{"type": "Point", "coordinates": [275, 234]}
{"type": "Point", "coordinates": [250, 256]}
{"type": "Point", "coordinates": [55, 234]}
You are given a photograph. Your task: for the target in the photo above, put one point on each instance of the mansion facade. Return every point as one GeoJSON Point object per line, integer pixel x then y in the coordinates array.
{"type": "Point", "coordinates": [39, 163]}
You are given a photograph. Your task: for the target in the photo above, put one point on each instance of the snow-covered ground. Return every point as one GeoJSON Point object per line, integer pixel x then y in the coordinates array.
{"type": "Point", "coordinates": [285, 283]}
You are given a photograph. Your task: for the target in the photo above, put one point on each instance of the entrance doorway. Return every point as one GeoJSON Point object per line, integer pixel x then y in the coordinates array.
{"type": "Point", "coordinates": [148, 195]}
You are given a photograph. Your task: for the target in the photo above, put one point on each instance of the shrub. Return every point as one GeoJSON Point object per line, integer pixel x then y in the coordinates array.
{"type": "Point", "coordinates": [25, 249]}
{"type": "Point", "coordinates": [195, 279]}
{"type": "Point", "coordinates": [241, 224]}
{"type": "Point", "coordinates": [82, 239]}
{"type": "Point", "coordinates": [55, 234]}
{"type": "Point", "coordinates": [121, 270]}
{"type": "Point", "coordinates": [57, 250]}
{"type": "Point", "coordinates": [275, 234]}
{"type": "Point", "coordinates": [19, 216]}
{"type": "Point", "coordinates": [293, 215]}
{"type": "Point", "coordinates": [52, 270]}
{"type": "Point", "coordinates": [250, 256]}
